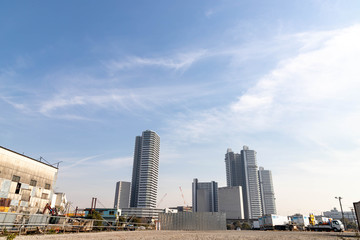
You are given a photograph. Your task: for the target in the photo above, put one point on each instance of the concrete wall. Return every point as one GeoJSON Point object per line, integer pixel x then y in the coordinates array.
{"type": "Point", "coordinates": [18, 174]}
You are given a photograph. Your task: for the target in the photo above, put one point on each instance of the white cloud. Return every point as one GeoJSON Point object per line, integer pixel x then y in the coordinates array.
{"type": "Point", "coordinates": [314, 84]}
{"type": "Point", "coordinates": [310, 99]}
{"type": "Point", "coordinates": [180, 61]}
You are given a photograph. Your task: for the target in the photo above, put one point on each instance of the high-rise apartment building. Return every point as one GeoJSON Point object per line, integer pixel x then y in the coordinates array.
{"type": "Point", "coordinates": [233, 168]}
{"type": "Point", "coordinates": [242, 170]}
{"type": "Point", "coordinates": [204, 196]}
{"type": "Point", "coordinates": [122, 195]}
{"type": "Point", "coordinates": [250, 178]}
{"type": "Point", "coordinates": [267, 191]}
{"type": "Point", "coordinates": [145, 170]}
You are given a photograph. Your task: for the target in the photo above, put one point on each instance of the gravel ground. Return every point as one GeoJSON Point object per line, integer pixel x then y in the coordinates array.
{"type": "Point", "coordinates": [208, 235]}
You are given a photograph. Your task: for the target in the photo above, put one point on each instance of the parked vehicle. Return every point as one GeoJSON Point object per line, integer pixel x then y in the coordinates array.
{"type": "Point", "coordinates": [334, 225]}
{"type": "Point", "coordinates": [299, 222]}
{"type": "Point", "coordinates": [272, 222]}
{"type": "Point", "coordinates": [256, 225]}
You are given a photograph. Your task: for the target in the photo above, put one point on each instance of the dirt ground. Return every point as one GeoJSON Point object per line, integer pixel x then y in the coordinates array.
{"type": "Point", "coordinates": [208, 235]}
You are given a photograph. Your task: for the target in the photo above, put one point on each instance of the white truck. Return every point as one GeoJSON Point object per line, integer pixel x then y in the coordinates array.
{"type": "Point", "coordinates": [334, 225]}
{"type": "Point", "coordinates": [299, 222]}
{"type": "Point", "coordinates": [255, 225]}
{"type": "Point", "coordinates": [274, 222]}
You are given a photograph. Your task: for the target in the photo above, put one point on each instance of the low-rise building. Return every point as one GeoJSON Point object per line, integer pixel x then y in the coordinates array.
{"type": "Point", "coordinates": [231, 202]}
{"type": "Point", "coordinates": [26, 184]}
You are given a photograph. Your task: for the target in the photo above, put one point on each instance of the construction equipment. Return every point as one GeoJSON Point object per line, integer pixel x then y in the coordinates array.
{"type": "Point", "coordinates": [334, 225]}
{"type": "Point", "coordinates": [52, 211]}
{"type": "Point", "coordinates": [162, 199]}
{"type": "Point", "coordinates": [312, 219]}
{"type": "Point", "coordinates": [182, 195]}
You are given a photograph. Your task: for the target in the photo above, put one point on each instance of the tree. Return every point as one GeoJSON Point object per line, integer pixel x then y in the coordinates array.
{"type": "Point", "coordinates": [245, 226]}
{"type": "Point", "coordinates": [96, 216]}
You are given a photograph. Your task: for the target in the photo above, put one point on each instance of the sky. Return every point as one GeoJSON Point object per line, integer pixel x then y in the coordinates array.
{"type": "Point", "coordinates": [79, 80]}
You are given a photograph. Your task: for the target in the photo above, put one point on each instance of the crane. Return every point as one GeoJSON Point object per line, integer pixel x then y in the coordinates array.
{"type": "Point", "coordinates": [161, 200]}
{"type": "Point", "coordinates": [182, 195]}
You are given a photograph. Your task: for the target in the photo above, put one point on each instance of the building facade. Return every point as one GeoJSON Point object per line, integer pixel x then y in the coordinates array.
{"type": "Point", "coordinates": [26, 184]}
{"type": "Point", "coordinates": [242, 170]}
{"type": "Point", "coordinates": [267, 191]}
{"type": "Point", "coordinates": [145, 170]}
{"type": "Point", "coordinates": [122, 195]}
{"type": "Point", "coordinates": [204, 196]}
{"type": "Point", "coordinates": [231, 202]}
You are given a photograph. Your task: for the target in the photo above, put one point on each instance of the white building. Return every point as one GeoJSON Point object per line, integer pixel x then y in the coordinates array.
{"type": "Point", "coordinates": [336, 214]}
{"type": "Point", "coordinates": [145, 170]}
{"type": "Point", "coordinates": [267, 192]}
{"type": "Point", "coordinates": [231, 202]}
{"type": "Point", "coordinates": [26, 184]}
{"type": "Point", "coordinates": [59, 201]}
{"type": "Point", "coordinates": [122, 195]}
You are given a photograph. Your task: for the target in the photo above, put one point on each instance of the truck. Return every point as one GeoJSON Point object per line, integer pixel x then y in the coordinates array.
{"type": "Point", "coordinates": [274, 222]}
{"type": "Point", "coordinates": [255, 225]}
{"type": "Point", "coordinates": [299, 222]}
{"type": "Point", "coordinates": [334, 225]}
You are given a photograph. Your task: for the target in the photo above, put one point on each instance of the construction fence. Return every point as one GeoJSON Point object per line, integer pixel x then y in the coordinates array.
{"type": "Point", "coordinates": [42, 223]}
{"type": "Point", "coordinates": [192, 221]}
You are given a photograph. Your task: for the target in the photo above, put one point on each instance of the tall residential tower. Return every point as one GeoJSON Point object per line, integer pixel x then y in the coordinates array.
{"type": "Point", "coordinates": [145, 170]}
{"type": "Point", "coordinates": [267, 191]}
{"type": "Point", "coordinates": [242, 170]}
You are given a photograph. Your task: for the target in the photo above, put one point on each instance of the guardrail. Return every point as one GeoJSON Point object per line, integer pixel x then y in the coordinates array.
{"type": "Point", "coordinates": [42, 223]}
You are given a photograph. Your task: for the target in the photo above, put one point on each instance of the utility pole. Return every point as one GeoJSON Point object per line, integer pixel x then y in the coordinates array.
{"type": "Point", "coordinates": [342, 212]}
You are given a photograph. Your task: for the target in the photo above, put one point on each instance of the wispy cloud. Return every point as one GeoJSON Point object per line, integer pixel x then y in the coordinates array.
{"type": "Point", "coordinates": [311, 85]}
{"type": "Point", "coordinates": [209, 12]}
{"type": "Point", "coordinates": [18, 106]}
{"type": "Point", "coordinates": [180, 61]}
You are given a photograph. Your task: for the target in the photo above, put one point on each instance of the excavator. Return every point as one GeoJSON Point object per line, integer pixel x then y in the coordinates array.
{"type": "Point", "coordinates": [52, 211]}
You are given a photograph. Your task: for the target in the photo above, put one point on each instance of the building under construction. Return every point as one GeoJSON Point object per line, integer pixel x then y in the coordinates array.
{"type": "Point", "coordinates": [26, 184]}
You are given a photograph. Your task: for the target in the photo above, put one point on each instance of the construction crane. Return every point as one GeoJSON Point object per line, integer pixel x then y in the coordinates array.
{"type": "Point", "coordinates": [161, 200]}
{"type": "Point", "coordinates": [182, 195]}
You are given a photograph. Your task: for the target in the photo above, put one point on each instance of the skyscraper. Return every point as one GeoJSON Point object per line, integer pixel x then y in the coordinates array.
{"type": "Point", "coordinates": [250, 180]}
{"type": "Point", "coordinates": [145, 170]}
{"type": "Point", "coordinates": [204, 196]}
{"type": "Point", "coordinates": [233, 168]}
{"type": "Point", "coordinates": [267, 191]}
{"type": "Point", "coordinates": [242, 170]}
{"type": "Point", "coordinates": [122, 195]}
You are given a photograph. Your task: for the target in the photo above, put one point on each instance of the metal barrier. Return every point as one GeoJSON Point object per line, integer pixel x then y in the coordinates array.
{"type": "Point", "coordinates": [192, 221]}
{"type": "Point", "coordinates": [41, 223]}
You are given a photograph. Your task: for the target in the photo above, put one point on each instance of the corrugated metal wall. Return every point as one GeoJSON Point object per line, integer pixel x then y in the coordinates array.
{"type": "Point", "coordinates": [192, 221]}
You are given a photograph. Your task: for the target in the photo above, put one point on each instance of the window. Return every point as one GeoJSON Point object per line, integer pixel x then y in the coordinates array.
{"type": "Point", "coordinates": [18, 187]}
{"type": "Point", "coordinates": [16, 178]}
{"type": "Point", "coordinates": [25, 195]}
{"type": "Point", "coordinates": [111, 212]}
{"type": "Point", "coordinates": [33, 182]}
{"type": "Point", "coordinates": [44, 196]}
{"type": "Point", "coordinates": [47, 186]}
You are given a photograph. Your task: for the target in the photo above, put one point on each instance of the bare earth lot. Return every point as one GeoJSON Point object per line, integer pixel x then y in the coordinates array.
{"type": "Point", "coordinates": [208, 235]}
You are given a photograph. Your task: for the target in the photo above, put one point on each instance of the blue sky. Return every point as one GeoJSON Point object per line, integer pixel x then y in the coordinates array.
{"type": "Point", "coordinates": [80, 79]}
